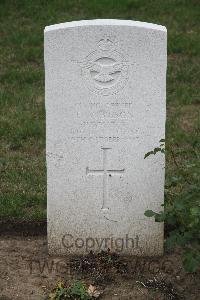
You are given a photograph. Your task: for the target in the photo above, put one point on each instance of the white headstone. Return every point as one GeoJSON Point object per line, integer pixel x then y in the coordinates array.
{"type": "Point", "coordinates": [105, 108]}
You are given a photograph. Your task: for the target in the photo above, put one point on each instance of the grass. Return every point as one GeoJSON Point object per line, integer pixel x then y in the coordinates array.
{"type": "Point", "coordinates": [22, 118]}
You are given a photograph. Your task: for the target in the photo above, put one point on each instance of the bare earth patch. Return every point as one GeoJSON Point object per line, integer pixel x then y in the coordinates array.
{"type": "Point", "coordinates": [28, 272]}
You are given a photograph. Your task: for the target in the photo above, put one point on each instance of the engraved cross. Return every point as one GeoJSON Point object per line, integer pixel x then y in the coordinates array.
{"type": "Point", "coordinates": [105, 173]}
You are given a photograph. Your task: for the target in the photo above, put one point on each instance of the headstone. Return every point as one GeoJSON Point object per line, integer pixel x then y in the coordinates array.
{"type": "Point", "coordinates": [105, 108]}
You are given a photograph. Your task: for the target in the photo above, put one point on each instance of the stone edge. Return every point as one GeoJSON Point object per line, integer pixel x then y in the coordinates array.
{"type": "Point", "coordinates": [105, 22]}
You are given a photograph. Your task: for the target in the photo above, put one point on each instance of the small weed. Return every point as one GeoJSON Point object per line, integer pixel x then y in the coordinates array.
{"type": "Point", "coordinates": [76, 291]}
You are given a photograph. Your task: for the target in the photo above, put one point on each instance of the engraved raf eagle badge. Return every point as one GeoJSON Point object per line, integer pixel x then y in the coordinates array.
{"type": "Point", "coordinates": [105, 70]}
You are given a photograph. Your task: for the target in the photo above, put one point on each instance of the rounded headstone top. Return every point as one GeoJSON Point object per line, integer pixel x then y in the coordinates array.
{"type": "Point", "coordinates": [105, 22]}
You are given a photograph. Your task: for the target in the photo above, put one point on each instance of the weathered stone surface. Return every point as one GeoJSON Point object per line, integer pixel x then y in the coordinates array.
{"type": "Point", "coordinates": [105, 108]}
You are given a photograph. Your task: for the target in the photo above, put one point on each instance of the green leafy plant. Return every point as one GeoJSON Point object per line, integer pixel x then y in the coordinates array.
{"type": "Point", "coordinates": [76, 291]}
{"type": "Point", "coordinates": [182, 210]}
{"type": "Point", "coordinates": [161, 149]}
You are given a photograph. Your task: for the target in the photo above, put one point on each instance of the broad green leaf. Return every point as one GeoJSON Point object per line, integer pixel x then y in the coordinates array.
{"type": "Point", "coordinates": [191, 263]}
{"type": "Point", "coordinates": [149, 213]}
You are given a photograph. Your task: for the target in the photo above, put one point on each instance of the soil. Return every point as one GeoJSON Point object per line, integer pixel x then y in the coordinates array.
{"type": "Point", "coordinates": [23, 227]}
{"type": "Point", "coordinates": [28, 272]}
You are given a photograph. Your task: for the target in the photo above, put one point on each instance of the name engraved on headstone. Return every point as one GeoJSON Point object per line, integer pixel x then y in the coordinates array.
{"type": "Point", "coordinates": [101, 115]}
